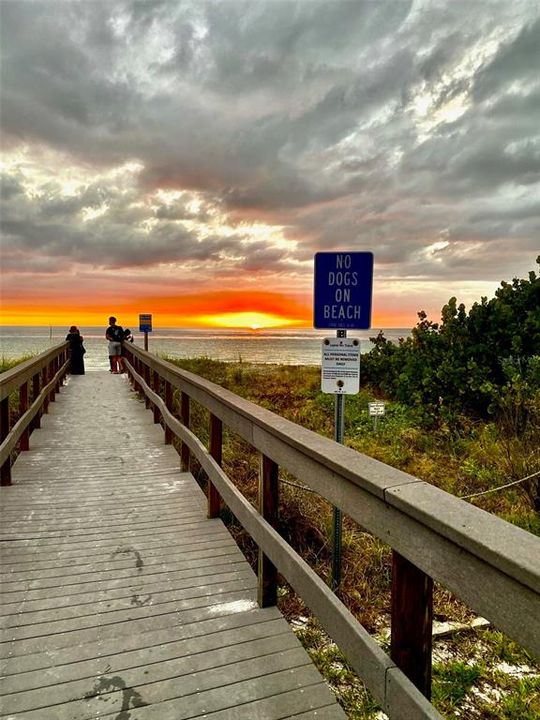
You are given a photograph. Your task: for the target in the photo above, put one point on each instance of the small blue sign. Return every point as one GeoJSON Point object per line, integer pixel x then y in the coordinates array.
{"type": "Point", "coordinates": [343, 289]}
{"type": "Point", "coordinates": [145, 323]}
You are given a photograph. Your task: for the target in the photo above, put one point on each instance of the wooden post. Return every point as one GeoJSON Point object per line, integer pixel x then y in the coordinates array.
{"type": "Point", "coordinates": [412, 615]}
{"type": "Point", "coordinates": [184, 417]}
{"type": "Point", "coordinates": [131, 359]}
{"type": "Point", "coordinates": [51, 374]}
{"type": "Point", "coordinates": [23, 407]}
{"type": "Point", "coordinates": [36, 422]}
{"type": "Point", "coordinates": [60, 379]}
{"type": "Point", "coordinates": [147, 381]}
{"type": "Point", "coordinates": [268, 507]}
{"type": "Point", "coordinates": [168, 404]}
{"type": "Point", "coordinates": [56, 368]}
{"type": "Point", "coordinates": [5, 470]}
{"type": "Point", "coordinates": [137, 368]}
{"type": "Point", "coordinates": [155, 388]}
{"type": "Point", "coordinates": [44, 381]}
{"type": "Point", "coordinates": [216, 438]}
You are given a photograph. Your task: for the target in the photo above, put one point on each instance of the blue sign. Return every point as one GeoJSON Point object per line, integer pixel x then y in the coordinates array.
{"type": "Point", "coordinates": [343, 289]}
{"type": "Point", "coordinates": [145, 323]}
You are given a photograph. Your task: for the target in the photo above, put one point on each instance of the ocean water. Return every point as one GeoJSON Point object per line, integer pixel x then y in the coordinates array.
{"type": "Point", "coordinates": [292, 347]}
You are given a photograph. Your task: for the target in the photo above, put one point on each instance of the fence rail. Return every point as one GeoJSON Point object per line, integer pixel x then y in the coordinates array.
{"type": "Point", "coordinates": [493, 566]}
{"type": "Point", "coordinates": [35, 381]}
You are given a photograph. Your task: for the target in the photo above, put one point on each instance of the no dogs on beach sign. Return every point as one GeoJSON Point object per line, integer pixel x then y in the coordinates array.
{"type": "Point", "coordinates": [343, 289]}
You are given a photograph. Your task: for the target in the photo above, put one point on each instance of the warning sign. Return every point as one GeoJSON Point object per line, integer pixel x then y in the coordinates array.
{"type": "Point", "coordinates": [340, 367]}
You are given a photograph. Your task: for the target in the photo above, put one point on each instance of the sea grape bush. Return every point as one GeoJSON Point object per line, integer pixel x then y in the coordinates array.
{"type": "Point", "coordinates": [475, 363]}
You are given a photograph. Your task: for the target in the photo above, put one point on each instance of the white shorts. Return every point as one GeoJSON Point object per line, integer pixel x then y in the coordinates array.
{"type": "Point", "coordinates": [115, 348]}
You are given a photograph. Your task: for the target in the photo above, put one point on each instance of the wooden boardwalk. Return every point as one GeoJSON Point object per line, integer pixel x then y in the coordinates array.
{"type": "Point", "coordinates": [120, 599]}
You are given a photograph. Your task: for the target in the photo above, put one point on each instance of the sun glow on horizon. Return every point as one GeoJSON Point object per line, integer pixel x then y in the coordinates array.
{"type": "Point", "coordinates": [27, 315]}
{"type": "Point", "coordinates": [247, 320]}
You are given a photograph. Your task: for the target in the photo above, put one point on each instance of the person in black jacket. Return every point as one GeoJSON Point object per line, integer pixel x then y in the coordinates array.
{"type": "Point", "coordinates": [76, 351]}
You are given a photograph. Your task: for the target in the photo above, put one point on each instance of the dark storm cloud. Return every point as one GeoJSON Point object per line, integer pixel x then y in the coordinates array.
{"type": "Point", "coordinates": [10, 186]}
{"type": "Point", "coordinates": [261, 259]}
{"type": "Point", "coordinates": [52, 226]}
{"type": "Point", "coordinates": [109, 246]}
{"type": "Point", "coordinates": [390, 126]}
{"type": "Point", "coordinates": [516, 61]}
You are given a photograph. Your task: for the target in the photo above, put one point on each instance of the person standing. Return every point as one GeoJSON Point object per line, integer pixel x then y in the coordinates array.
{"type": "Point", "coordinates": [115, 335]}
{"type": "Point", "coordinates": [76, 351]}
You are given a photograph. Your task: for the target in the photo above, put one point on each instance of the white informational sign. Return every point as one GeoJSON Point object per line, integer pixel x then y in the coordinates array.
{"type": "Point", "coordinates": [376, 408]}
{"type": "Point", "coordinates": [340, 367]}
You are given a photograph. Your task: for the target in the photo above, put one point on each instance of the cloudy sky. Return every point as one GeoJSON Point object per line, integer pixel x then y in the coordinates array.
{"type": "Point", "coordinates": [189, 158]}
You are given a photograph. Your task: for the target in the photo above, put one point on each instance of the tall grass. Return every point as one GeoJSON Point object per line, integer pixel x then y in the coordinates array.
{"type": "Point", "coordinates": [9, 363]}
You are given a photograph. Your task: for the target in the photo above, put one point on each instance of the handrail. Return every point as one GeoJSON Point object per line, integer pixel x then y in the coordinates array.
{"type": "Point", "coordinates": [490, 564]}
{"type": "Point", "coordinates": [45, 372]}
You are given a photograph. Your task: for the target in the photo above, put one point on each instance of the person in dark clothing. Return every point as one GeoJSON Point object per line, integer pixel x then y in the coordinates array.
{"type": "Point", "coordinates": [115, 336]}
{"type": "Point", "coordinates": [76, 351]}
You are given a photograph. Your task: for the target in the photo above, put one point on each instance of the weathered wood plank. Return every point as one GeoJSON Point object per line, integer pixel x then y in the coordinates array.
{"type": "Point", "coordinates": [89, 533]}
{"type": "Point", "coordinates": [226, 558]}
{"type": "Point", "coordinates": [112, 508]}
{"type": "Point", "coordinates": [107, 538]}
{"type": "Point", "coordinates": [169, 667]}
{"type": "Point", "coordinates": [22, 562]}
{"type": "Point", "coordinates": [136, 594]}
{"type": "Point", "coordinates": [189, 696]}
{"type": "Point", "coordinates": [273, 707]}
{"type": "Point", "coordinates": [155, 576]}
{"type": "Point", "coordinates": [203, 610]}
{"type": "Point", "coordinates": [202, 597]}
{"type": "Point", "coordinates": [115, 585]}
{"type": "Point", "coordinates": [327, 712]}
{"type": "Point", "coordinates": [102, 652]}
{"type": "Point", "coordinates": [47, 561]}
{"type": "Point", "coordinates": [145, 649]}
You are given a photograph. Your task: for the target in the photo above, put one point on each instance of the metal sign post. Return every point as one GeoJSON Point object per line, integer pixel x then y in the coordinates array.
{"type": "Point", "coordinates": [145, 326]}
{"type": "Point", "coordinates": [339, 434]}
{"type": "Point", "coordinates": [340, 376]}
{"type": "Point", "coordinates": [342, 300]}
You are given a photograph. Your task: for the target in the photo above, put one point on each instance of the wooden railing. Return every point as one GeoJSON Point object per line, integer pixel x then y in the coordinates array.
{"type": "Point", "coordinates": [35, 381]}
{"type": "Point", "coordinates": [493, 566]}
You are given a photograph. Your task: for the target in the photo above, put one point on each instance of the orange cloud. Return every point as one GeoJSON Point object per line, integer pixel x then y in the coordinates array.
{"type": "Point", "coordinates": [90, 301]}
{"type": "Point", "coordinates": [200, 309]}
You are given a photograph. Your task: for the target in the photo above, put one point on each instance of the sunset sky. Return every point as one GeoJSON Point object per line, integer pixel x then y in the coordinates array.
{"type": "Point", "coordinates": [188, 159]}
